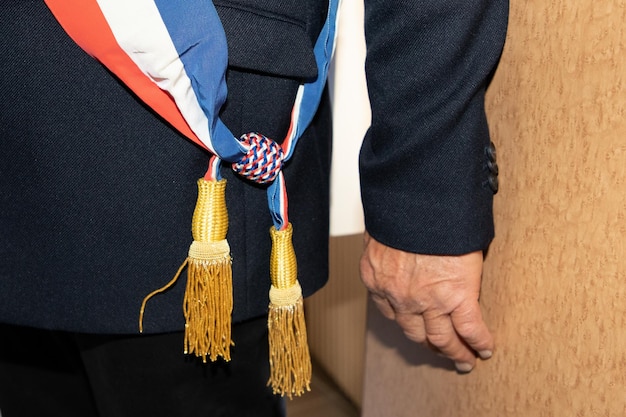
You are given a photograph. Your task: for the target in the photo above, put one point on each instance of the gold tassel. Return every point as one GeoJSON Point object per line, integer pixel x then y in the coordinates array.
{"type": "Point", "coordinates": [208, 302]}
{"type": "Point", "coordinates": [290, 362]}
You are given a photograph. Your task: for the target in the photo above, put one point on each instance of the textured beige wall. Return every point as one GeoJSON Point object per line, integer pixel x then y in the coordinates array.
{"type": "Point", "coordinates": [554, 289]}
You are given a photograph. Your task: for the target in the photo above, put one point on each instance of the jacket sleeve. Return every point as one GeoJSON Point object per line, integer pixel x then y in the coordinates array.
{"type": "Point", "coordinates": [427, 165]}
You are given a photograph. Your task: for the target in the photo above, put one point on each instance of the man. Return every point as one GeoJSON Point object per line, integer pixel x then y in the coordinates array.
{"type": "Point", "coordinates": [98, 193]}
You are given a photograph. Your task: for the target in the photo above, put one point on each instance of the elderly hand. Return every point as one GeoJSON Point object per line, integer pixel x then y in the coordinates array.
{"type": "Point", "coordinates": [434, 299]}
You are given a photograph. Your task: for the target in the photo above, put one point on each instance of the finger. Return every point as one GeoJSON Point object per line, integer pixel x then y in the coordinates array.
{"type": "Point", "coordinates": [471, 328]}
{"type": "Point", "coordinates": [413, 326]}
{"type": "Point", "coordinates": [441, 334]}
{"type": "Point", "coordinates": [383, 306]}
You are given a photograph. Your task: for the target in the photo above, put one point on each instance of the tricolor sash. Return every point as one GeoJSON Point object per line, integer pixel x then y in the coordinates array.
{"type": "Point", "coordinates": [173, 55]}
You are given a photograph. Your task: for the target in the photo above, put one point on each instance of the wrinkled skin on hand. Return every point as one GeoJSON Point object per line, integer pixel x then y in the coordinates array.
{"type": "Point", "coordinates": [434, 299]}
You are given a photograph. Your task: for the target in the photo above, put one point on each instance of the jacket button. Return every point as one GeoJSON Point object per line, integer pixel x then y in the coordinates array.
{"type": "Point", "coordinates": [493, 167]}
{"type": "Point", "coordinates": [491, 152]}
{"type": "Point", "coordinates": [493, 183]}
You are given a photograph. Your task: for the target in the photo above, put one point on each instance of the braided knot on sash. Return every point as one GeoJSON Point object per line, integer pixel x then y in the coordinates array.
{"type": "Point", "coordinates": [262, 162]}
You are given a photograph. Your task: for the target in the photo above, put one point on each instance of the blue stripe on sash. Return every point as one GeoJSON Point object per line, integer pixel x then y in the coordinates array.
{"type": "Point", "coordinates": [197, 33]}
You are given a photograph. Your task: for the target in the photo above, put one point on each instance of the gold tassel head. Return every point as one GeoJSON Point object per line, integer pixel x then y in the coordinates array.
{"type": "Point", "coordinates": [290, 361]}
{"type": "Point", "coordinates": [210, 217]}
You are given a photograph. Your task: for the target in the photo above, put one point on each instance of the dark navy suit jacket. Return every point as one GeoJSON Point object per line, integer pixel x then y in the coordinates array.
{"type": "Point", "coordinates": [97, 192]}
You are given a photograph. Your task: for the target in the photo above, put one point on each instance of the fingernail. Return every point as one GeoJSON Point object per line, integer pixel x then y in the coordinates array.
{"type": "Point", "coordinates": [485, 354]}
{"type": "Point", "coordinates": [463, 367]}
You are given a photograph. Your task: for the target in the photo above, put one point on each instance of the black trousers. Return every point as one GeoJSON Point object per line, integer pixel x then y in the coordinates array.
{"type": "Point", "coordinates": [48, 373]}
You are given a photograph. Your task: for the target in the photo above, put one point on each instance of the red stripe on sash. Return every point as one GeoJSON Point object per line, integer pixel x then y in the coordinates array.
{"type": "Point", "coordinates": [83, 21]}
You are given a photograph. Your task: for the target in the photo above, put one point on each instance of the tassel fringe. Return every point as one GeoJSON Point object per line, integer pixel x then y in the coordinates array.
{"type": "Point", "coordinates": [208, 302]}
{"type": "Point", "coordinates": [290, 361]}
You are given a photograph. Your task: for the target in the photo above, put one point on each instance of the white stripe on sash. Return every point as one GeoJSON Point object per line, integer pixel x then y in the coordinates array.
{"type": "Point", "coordinates": [140, 32]}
